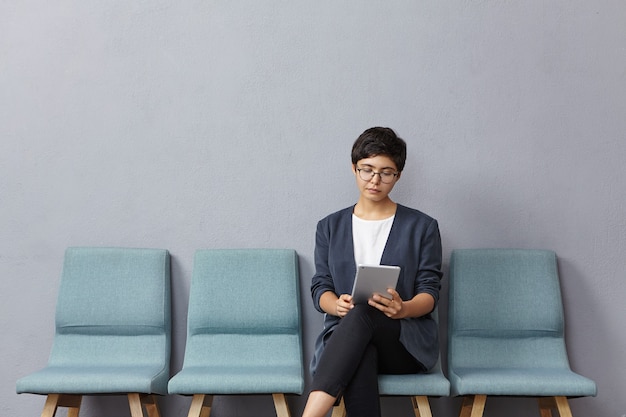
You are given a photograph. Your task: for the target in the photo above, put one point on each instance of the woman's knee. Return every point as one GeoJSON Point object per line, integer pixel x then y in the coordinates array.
{"type": "Point", "coordinates": [363, 312]}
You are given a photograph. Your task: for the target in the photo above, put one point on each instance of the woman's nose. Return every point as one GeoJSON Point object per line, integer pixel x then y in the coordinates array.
{"type": "Point", "coordinates": [376, 178]}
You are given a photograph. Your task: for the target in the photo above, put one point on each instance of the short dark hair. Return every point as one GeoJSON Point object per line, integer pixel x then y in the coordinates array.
{"type": "Point", "coordinates": [380, 141]}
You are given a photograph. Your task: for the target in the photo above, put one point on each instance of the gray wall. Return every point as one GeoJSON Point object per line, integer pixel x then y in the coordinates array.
{"type": "Point", "coordinates": [192, 124]}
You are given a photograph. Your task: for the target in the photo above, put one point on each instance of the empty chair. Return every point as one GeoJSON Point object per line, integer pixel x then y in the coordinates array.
{"type": "Point", "coordinates": [112, 331]}
{"type": "Point", "coordinates": [505, 330]}
{"type": "Point", "coordinates": [417, 386]}
{"type": "Point", "coordinates": [243, 328]}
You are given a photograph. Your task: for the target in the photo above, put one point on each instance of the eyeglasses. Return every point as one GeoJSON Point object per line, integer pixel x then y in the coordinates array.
{"type": "Point", "coordinates": [367, 174]}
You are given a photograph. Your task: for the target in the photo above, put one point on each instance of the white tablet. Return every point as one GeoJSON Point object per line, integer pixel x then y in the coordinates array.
{"type": "Point", "coordinates": [372, 279]}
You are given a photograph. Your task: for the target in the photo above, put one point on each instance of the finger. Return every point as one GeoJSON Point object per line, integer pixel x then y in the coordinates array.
{"type": "Point", "coordinates": [378, 304]}
{"type": "Point", "coordinates": [380, 299]}
{"type": "Point", "coordinates": [388, 301]}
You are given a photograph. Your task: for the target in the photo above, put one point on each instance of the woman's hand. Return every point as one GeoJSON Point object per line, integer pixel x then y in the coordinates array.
{"type": "Point", "coordinates": [343, 305]}
{"type": "Point", "coordinates": [391, 307]}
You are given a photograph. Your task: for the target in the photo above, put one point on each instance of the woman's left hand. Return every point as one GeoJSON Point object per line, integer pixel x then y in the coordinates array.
{"type": "Point", "coordinates": [391, 307]}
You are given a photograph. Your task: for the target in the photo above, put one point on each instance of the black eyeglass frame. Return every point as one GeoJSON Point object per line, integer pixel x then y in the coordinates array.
{"type": "Point", "coordinates": [380, 175]}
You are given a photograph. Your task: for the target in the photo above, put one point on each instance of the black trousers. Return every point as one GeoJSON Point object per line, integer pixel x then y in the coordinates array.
{"type": "Point", "coordinates": [363, 344]}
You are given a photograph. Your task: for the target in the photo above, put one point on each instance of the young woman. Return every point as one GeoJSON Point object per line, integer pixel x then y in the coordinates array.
{"type": "Point", "coordinates": [384, 336]}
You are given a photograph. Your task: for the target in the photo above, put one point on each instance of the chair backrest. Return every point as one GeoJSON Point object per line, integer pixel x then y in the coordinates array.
{"type": "Point", "coordinates": [504, 306]}
{"type": "Point", "coordinates": [113, 308]}
{"type": "Point", "coordinates": [244, 305]}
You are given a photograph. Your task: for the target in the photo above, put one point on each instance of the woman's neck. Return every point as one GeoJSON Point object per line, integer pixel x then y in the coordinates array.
{"type": "Point", "coordinates": [379, 210]}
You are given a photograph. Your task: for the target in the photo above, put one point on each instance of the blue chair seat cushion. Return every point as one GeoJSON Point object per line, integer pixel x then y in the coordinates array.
{"type": "Point", "coordinates": [533, 382]}
{"type": "Point", "coordinates": [429, 384]}
{"type": "Point", "coordinates": [256, 379]}
{"type": "Point", "coordinates": [95, 380]}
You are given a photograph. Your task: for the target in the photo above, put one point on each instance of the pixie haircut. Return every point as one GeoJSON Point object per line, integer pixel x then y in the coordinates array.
{"type": "Point", "coordinates": [380, 141]}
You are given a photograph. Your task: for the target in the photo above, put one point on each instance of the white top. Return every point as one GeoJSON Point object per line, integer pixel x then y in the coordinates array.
{"type": "Point", "coordinates": [369, 238]}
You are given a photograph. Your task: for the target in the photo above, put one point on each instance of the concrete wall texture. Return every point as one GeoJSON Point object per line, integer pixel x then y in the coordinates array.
{"type": "Point", "coordinates": [220, 124]}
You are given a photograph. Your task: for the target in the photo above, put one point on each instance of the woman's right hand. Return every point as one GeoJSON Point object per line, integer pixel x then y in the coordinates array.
{"type": "Point", "coordinates": [343, 305]}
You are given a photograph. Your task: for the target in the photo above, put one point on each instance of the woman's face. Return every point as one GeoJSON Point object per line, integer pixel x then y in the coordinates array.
{"type": "Point", "coordinates": [375, 177]}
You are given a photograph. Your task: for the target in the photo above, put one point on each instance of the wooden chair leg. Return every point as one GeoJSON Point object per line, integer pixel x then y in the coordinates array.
{"type": "Point", "coordinates": [281, 406]}
{"type": "Point", "coordinates": [50, 407]}
{"type": "Point", "coordinates": [72, 402]}
{"type": "Point", "coordinates": [563, 406]}
{"type": "Point", "coordinates": [473, 406]}
{"type": "Point", "coordinates": [151, 405]}
{"type": "Point", "coordinates": [421, 406]}
{"type": "Point", "coordinates": [134, 402]}
{"type": "Point", "coordinates": [339, 410]}
{"type": "Point", "coordinates": [201, 405]}
{"type": "Point", "coordinates": [546, 404]}
{"type": "Point", "coordinates": [72, 412]}
{"type": "Point", "coordinates": [54, 401]}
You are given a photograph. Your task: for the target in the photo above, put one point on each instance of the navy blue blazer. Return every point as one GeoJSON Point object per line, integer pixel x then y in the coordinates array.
{"type": "Point", "coordinates": [414, 244]}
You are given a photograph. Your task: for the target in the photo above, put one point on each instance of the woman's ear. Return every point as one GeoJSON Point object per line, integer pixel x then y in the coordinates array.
{"type": "Point", "coordinates": [353, 168]}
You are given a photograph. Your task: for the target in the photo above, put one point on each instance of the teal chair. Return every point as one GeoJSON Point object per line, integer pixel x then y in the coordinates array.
{"type": "Point", "coordinates": [505, 331]}
{"type": "Point", "coordinates": [417, 386]}
{"type": "Point", "coordinates": [243, 328]}
{"type": "Point", "coordinates": [112, 331]}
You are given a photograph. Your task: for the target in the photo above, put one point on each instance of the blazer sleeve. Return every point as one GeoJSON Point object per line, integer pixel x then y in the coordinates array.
{"type": "Point", "coordinates": [429, 270]}
{"type": "Point", "coordinates": [322, 281]}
